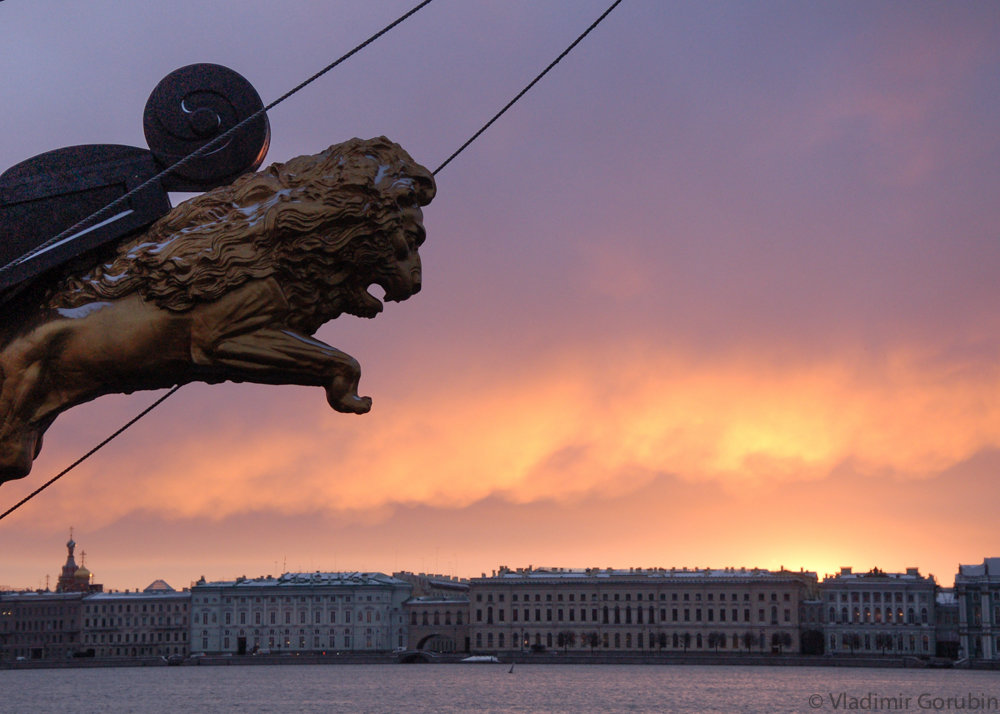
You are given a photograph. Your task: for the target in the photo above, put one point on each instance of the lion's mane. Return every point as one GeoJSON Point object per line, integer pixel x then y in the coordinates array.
{"type": "Point", "coordinates": [317, 224]}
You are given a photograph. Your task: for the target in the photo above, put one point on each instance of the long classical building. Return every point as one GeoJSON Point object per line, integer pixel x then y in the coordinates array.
{"type": "Point", "coordinates": [882, 612]}
{"type": "Point", "coordinates": [639, 609]}
{"type": "Point", "coordinates": [151, 622]}
{"type": "Point", "coordinates": [977, 592]}
{"type": "Point", "coordinates": [299, 612]}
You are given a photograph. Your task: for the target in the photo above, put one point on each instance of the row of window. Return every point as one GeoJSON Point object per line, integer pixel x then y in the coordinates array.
{"type": "Point", "coordinates": [607, 615]}
{"type": "Point", "coordinates": [140, 651]}
{"type": "Point", "coordinates": [37, 610]}
{"type": "Point", "coordinates": [37, 625]}
{"type": "Point", "coordinates": [979, 647]}
{"type": "Point", "coordinates": [877, 616]}
{"type": "Point", "coordinates": [879, 641]}
{"type": "Point", "coordinates": [56, 638]}
{"type": "Point", "coordinates": [178, 636]}
{"type": "Point", "coordinates": [425, 617]}
{"type": "Point", "coordinates": [371, 641]}
{"type": "Point", "coordinates": [272, 617]}
{"type": "Point", "coordinates": [977, 615]}
{"type": "Point", "coordinates": [629, 640]}
{"type": "Point", "coordinates": [876, 597]}
{"type": "Point", "coordinates": [106, 608]}
{"type": "Point", "coordinates": [571, 597]}
{"type": "Point", "coordinates": [127, 621]}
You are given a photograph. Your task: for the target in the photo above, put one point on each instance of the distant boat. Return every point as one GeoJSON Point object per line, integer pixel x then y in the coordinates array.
{"type": "Point", "coordinates": [481, 659]}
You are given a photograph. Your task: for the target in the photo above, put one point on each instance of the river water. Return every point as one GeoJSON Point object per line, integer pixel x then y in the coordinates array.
{"type": "Point", "coordinates": [493, 688]}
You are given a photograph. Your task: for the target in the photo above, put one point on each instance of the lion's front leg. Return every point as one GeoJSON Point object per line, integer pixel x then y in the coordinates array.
{"type": "Point", "coordinates": [342, 395]}
{"type": "Point", "coordinates": [277, 356]}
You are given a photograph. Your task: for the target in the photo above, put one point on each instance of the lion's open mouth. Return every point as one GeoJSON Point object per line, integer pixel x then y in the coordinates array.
{"type": "Point", "coordinates": [368, 304]}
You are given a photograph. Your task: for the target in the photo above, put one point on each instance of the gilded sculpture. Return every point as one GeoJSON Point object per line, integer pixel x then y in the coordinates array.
{"type": "Point", "coordinates": [228, 286]}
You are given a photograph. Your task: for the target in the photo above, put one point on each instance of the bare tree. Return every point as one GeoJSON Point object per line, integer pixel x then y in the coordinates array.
{"type": "Point", "coordinates": [566, 638]}
{"type": "Point", "coordinates": [715, 639]}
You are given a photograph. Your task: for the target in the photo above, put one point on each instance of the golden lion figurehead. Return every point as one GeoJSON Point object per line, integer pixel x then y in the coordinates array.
{"type": "Point", "coordinates": [325, 227]}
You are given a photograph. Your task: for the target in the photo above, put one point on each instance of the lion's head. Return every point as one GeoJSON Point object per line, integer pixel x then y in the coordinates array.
{"type": "Point", "coordinates": [326, 227]}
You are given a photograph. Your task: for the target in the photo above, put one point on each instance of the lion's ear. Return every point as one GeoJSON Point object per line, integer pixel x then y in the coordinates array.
{"type": "Point", "coordinates": [425, 188]}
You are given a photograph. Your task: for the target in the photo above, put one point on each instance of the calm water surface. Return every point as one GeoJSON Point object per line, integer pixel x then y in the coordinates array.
{"type": "Point", "coordinates": [491, 688]}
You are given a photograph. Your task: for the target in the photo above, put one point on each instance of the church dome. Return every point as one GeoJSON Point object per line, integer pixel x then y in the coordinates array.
{"type": "Point", "coordinates": [82, 574]}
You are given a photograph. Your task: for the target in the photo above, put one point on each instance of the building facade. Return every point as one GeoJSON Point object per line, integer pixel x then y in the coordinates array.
{"type": "Point", "coordinates": [946, 624]}
{"type": "Point", "coordinates": [733, 609]}
{"type": "Point", "coordinates": [879, 612]}
{"type": "Point", "coordinates": [151, 622]}
{"type": "Point", "coordinates": [299, 612]}
{"type": "Point", "coordinates": [438, 612]}
{"type": "Point", "coordinates": [39, 625]}
{"type": "Point", "coordinates": [977, 592]}
{"type": "Point", "coordinates": [437, 624]}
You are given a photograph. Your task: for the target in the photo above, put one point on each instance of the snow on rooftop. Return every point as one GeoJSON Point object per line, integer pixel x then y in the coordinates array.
{"type": "Point", "coordinates": [47, 594]}
{"type": "Point", "coordinates": [990, 567]}
{"type": "Point", "coordinates": [436, 599]}
{"type": "Point", "coordinates": [910, 575]}
{"type": "Point", "coordinates": [946, 597]}
{"type": "Point", "coordinates": [672, 573]}
{"type": "Point", "coordinates": [139, 595]}
{"type": "Point", "coordinates": [315, 579]}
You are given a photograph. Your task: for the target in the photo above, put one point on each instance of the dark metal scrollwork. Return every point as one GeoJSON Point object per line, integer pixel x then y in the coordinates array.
{"type": "Point", "coordinates": [192, 106]}
{"type": "Point", "coordinates": [44, 196]}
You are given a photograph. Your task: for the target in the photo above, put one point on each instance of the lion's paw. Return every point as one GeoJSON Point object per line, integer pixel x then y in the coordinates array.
{"type": "Point", "coordinates": [352, 404]}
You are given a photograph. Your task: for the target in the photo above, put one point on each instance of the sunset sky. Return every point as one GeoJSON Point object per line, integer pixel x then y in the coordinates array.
{"type": "Point", "coordinates": [721, 290]}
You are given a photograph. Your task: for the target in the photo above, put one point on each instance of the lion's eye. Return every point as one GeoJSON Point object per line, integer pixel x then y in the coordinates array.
{"type": "Point", "coordinates": [400, 246]}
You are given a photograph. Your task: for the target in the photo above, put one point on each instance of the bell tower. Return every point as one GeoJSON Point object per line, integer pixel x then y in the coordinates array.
{"type": "Point", "coordinates": [67, 579]}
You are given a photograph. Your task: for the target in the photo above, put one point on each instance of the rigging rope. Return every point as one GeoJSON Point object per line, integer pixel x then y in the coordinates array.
{"type": "Point", "coordinates": [531, 84]}
{"type": "Point", "coordinates": [86, 456]}
{"type": "Point", "coordinates": [280, 99]}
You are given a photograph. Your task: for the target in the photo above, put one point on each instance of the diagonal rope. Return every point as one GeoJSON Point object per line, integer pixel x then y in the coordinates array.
{"type": "Point", "coordinates": [86, 456]}
{"type": "Point", "coordinates": [460, 149]}
{"type": "Point", "coordinates": [205, 148]}
{"type": "Point", "coordinates": [531, 84]}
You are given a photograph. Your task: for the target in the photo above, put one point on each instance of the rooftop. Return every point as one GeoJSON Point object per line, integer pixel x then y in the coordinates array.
{"type": "Point", "coordinates": [140, 595]}
{"type": "Point", "coordinates": [847, 574]}
{"type": "Point", "coordinates": [505, 573]}
{"type": "Point", "coordinates": [990, 567]}
{"type": "Point", "coordinates": [316, 579]}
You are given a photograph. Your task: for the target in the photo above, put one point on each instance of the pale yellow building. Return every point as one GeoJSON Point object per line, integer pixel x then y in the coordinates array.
{"type": "Point", "coordinates": [639, 609]}
{"type": "Point", "coordinates": [879, 612]}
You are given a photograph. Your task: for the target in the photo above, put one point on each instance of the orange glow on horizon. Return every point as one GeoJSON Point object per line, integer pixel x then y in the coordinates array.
{"type": "Point", "coordinates": [562, 433]}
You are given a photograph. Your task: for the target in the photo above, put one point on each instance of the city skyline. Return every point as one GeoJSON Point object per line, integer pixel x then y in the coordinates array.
{"type": "Point", "coordinates": [720, 290]}
{"type": "Point", "coordinates": [52, 581]}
